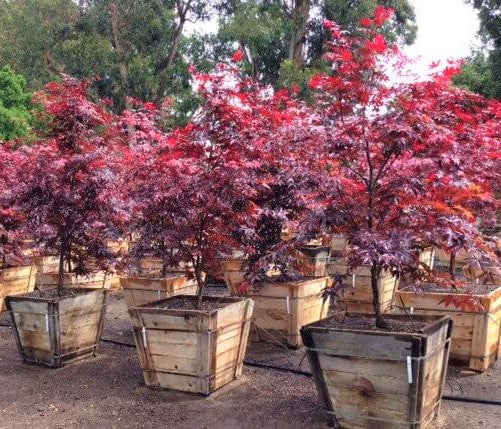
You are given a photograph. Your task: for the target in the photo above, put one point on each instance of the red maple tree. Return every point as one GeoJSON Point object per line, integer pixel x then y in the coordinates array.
{"type": "Point", "coordinates": [64, 186]}
{"type": "Point", "coordinates": [190, 190]}
{"type": "Point", "coordinates": [10, 219]}
{"type": "Point", "coordinates": [404, 164]}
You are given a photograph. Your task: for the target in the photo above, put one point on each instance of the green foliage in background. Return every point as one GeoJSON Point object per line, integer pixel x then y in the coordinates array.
{"type": "Point", "coordinates": [15, 105]}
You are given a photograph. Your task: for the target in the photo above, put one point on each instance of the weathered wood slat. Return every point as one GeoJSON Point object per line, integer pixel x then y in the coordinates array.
{"type": "Point", "coordinates": [141, 290]}
{"type": "Point", "coordinates": [357, 297]}
{"type": "Point", "coordinates": [363, 376]}
{"type": "Point", "coordinates": [475, 333]}
{"type": "Point", "coordinates": [54, 332]}
{"type": "Point", "coordinates": [281, 309]}
{"type": "Point", "coordinates": [16, 281]}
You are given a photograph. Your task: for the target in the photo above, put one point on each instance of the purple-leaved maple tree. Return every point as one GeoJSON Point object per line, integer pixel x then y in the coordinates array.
{"type": "Point", "coordinates": [65, 183]}
{"type": "Point", "coordinates": [404, 164]}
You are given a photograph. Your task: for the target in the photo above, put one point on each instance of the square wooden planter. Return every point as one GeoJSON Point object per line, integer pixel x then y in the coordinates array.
{"type": "Point", "coordinates": [192, 350]}
{"type": "Point", "coordinates": [312, 260]}
{"type": "Point", "coordinates": [427, 257]}
{"type": "Point", "coordinates": [357, 297]}
{"type": "Point", "coordinates": [15, 281]}
{"type": "Point", "coordinates": [233, 274]}
{"type": "Point", "coordinates": [379, 379]}
{"type": "Point", "coordinates": [141, 290]}
{"type": "Point", "coordinates": [475, 333]}
{"type": "Point", "coordinates": [281, 309]}
{"type": "Point", "coordinates": [59, 330]}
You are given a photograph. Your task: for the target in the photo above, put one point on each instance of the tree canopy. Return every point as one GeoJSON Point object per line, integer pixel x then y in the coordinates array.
{"type": "Point", "coordinates": [15, 105]}
{"type": "Point", "coordinates": [142, 48]}
{"type": "Point", "coordinates": [482, 72]}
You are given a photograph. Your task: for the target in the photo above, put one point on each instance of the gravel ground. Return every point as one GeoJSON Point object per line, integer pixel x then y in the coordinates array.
{"type": "Point", "coordinates": [109, 392]}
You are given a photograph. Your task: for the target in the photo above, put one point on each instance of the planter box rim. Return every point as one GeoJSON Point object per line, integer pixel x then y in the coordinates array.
{"type": "Point", "coordinates": [78, 291]}
{"type": "Point", "coordinates": [493, 293]}
{"type": "Point", "coordinates": [434, 323]}
{"type": "Point", "coordinates": [230, 300]}
{"type": "Point", "coordinates": [294, 283]}
{"type": "Point", "coordinates": [175, 275]}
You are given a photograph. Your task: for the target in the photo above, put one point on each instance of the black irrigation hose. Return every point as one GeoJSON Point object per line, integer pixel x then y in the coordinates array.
{"type": "Point", "coordinates": [309, 374]}
{"type": "Point", "coordinates": [471, 400]}
{"type": "Point", "coordinates": [277, 368]}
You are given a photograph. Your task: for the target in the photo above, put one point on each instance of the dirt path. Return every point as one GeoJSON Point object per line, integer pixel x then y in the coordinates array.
{"type": "Point", "coordinates": [108, 392]}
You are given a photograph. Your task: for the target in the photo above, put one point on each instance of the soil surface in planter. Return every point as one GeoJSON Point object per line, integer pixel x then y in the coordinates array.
{"type": "Point", "coordinates": [369, 324]}
{"type": "Point", "coordinates": [190, 304]}
{"type": "Point", "coordinates": [474, 289]}
{"type": "Point", "coordinates": [109, 391]}
{"type": "Point", "coordinates": [54, 294]}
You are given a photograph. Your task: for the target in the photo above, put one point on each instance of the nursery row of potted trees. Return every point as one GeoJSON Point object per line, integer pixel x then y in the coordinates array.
{"type": "Point", "coordinates": [392, 168]}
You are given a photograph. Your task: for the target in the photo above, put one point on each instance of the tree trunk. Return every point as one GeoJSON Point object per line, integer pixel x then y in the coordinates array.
{"type": "Point", "coordinates": [60, 280]}
{"type": "Point", "coordinates": [300, 15]}
{"type": "Point", "coordinates": [167, 64]}
{"type": "Point", "coordinates": [200, 284]}
{"type": "Point", "coordinates": [375, 273]}
{"type": "Point", "coordinates": [452, 265]}
{"type": "Point", "coordinates": [121, 55]}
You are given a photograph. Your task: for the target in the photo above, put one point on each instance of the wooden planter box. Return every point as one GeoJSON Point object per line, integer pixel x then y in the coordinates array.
{"type": "Point", "coordinates": [379, 379]}
{"type": "Point", "coordinates": [15, 281]}
{"type": "Point", "coordinates": [357, 297]}
{"type": "Point", "coordinates": [427, 256]}
{"type": "Point", "coordinates": [56, 331]}
{"type": "Point", "coordinates": [281, 309]}
{"type": "Point", "coordinates": [475, 333]}
{"type": "Point", "coordinates": [312, 261]}
{"type": "Point", "coordinates": [141, 290]}
{"type": "Point", "coordinates": [462, 257]}
{"type": "Point", "coordinates": [192, 350]}
{"type": "Point", "coordinates": [233, 274]}
{"type": "Point", "coordinates": [338, 243]}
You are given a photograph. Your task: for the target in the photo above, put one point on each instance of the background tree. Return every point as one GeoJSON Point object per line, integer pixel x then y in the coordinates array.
{"type": "Point", "coordinates": [482, 72]}
{"type": "Point", "coordinates": [280, 38]}
{"type": "Point", "coordinates": [15, 105]}
{"type": "Point", "coordinates": [136, 48]}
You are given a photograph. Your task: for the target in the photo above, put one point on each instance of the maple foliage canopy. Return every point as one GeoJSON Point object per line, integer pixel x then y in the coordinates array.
{"type": "Point", "coordinates": [64, 182]}
{"type": "Point", "coordinates": [406, 164]}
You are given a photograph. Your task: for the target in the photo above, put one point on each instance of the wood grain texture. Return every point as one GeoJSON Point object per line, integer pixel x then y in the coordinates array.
{"type": "Point", "coordinates": [362, 376]}
{"type": "Point", "coordinates": [281, 309]}
{"type": "Point", "coordinates": [141, 290]}
{"type": "Point", "coordinates": [55, 332]}
{"type": "Point", "coordinates": [357, 298]}
{"type": "Point", "coordinates": [15, 281]}
{"type": "Point", "coordinates": [191, 350]}
{"type": "Point", "coordinates": [475, 333]}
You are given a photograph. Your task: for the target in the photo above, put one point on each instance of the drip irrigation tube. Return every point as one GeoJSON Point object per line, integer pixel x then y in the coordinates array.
{"type": "Point", "coordinates": [309, 374]}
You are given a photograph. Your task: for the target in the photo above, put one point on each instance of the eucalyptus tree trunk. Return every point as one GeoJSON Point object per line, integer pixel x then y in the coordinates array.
{"type": "Point", "coordinates": [300, 16]}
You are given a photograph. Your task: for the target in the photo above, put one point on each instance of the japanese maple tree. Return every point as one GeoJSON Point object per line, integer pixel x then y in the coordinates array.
{"type": "Point", "coordinates": [405, 164]}
{"type": "Point", "coordinates": [10, 219]}
{"type": "Point", "coordinates": [189, 191]}
{"type": "Point", "coordinates": [64, 185]}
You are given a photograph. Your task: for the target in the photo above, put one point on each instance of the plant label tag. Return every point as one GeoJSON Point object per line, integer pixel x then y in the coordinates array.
{"type": "Point", "coordinates": [412, 310]}
{"type": "Point", "coordinates": [288, 305]}
{"type": "Point", "coordinates": [409, 369]}
{"type": "Point", "coordinates": [353, 280]}
{"type": "Point", "coordinates": [144, 338]}
{"type": "Point", "coordinates": [47, 322]}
